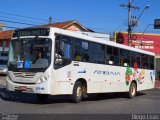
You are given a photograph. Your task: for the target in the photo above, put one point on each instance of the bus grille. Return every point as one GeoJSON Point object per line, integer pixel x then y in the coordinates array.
{"type": "Point", "coordinates": [24, 74]}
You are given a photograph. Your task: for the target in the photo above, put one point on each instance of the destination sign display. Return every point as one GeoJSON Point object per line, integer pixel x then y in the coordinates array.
{"type": "Point", "coordinates": [31, 32]}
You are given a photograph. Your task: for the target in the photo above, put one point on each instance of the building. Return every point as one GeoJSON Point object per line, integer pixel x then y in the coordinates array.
{"type": "Point", "coordinates": [76, 26]}
{"type": "Point", "coordinates": [5, 37]}
{"type": "Point", "coordinates": [148, 42]}
{"type": "Point", "coordinates": [68, 25]}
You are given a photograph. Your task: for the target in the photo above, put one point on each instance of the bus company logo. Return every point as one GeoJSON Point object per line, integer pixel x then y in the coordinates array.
{"type": "Point", "coordinates": [20, 64]}
{"type": "Point", "coordinates": [82, 71]}
{"type": "Point", "coordinates": [100, 72]}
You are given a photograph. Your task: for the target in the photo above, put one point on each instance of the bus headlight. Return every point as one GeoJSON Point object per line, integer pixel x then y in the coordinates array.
{"type": "Point", "coordinates": [43, 79]}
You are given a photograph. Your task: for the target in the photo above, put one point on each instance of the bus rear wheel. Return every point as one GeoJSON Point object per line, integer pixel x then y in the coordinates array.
{"type": "Point", "coordinates": [42, 97]}
{"type": "Point", "coordinates": [132, 90]}
{"type": "Point", "coordinates": [77, 92]}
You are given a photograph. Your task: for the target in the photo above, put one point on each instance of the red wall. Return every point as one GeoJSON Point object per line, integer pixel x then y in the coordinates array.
{"type": "Point", "coordinates": [7, 43]}
{"type": "Point", "coordinates": [149, 42]}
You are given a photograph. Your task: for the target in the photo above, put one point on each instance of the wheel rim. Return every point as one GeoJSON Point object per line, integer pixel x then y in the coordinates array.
{"type": "Point", "coordinates": [79, 92]}
{"type": "Point", "coordinates": [133, 90]}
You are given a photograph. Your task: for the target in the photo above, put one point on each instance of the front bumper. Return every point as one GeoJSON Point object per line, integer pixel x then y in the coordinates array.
{"type": "Point", "coordinates": [27, 88]}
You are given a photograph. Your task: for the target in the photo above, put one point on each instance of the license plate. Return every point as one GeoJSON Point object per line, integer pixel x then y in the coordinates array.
{"type": "Point", "coordinates": [22, 88]}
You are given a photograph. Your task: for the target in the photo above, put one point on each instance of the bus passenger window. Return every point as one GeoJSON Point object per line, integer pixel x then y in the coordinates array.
{"type": "Point", "coordinates": [85, 57]}
{"type": "Point", "coordinates": [124, 57]}
{"type": "Point", "coordinates": [112, 56]}
{"type": "Point", "coordinates": [97, 53]}
{"type": "Point", "coordinates": [63, 53]}
{"type": "Point", "coordinates": [151, 62]}
{"type": "Point", "coordinates": [135, 58]}
{"type": "Point", "coordinates": [81, 50]}
{"type": "Point", "coordinates": [144, 61]}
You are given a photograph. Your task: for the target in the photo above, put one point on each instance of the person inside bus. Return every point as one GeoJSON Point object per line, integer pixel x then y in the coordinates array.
{"type": "Point", "coordinates": [40, 60]}
{"type": "Point", "coordinates": [77, 56]}
{"type": "Point", "coordinates": [36, 56]}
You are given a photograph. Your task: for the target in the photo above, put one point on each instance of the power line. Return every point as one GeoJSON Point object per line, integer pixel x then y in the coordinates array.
{"type": "Point", "coordinates": [21, 20]}
{"type": "Point", "coordinates": [10, 27]}
{"type": "Point", "coordinates": [22, 16]}
{"type": "Point", "coordinates": [121, 26]}
{"type": "Point", "coordinates": [104, 21]}
{"type": "Point", "coordinates": [17, 22]}
{"type": "Point", "coordinates": [61, 19]}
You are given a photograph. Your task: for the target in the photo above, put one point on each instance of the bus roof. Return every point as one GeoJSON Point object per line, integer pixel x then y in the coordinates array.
{"type": "Point", "coordinates": [98, 40]}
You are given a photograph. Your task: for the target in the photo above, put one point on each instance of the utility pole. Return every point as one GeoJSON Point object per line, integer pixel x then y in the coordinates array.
{"type": "Point", "coordinates": [131, 21]}
{"type": "Point", "coordinates": [50, 20]}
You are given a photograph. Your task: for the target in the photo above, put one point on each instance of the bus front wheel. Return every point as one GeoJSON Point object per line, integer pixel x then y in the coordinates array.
{"type": "Point", "coordinates": [132, 90]}
{"type": "Point", "coordinates": [77, 92]}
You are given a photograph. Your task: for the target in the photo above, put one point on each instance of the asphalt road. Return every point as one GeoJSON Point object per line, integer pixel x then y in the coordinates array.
{"type": "Point", "coordinates": [22, 103]}
{"type": "Point", "coordinates": [146, 102]}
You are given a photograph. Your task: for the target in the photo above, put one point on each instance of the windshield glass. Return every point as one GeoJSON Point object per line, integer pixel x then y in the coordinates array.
{"type": "Point", "coordinates": [3, 62]}
{"type": "Point", "coordinates": [29, 54]}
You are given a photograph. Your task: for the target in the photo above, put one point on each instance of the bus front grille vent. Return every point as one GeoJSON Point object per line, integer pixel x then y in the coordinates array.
{"type": "Point", "coordinates": [24, 74]}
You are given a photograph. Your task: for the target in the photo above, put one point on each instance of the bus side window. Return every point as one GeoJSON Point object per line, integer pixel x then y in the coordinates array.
{"type": "Point", "coordinates": [63, 51]}
{"type": "Point", "coordinates": [144, 61]}
{"type": "Point", "coordinates": [112, 55]}
{"type": "Point", "coordinates": [124, 57]}
{"type": "Point", "coordinates": [77, 49]}
{"type": "Point", "coordinates": [97, 53]}
{"type": "Point", "coordinates": [81, 50]}
{"type": "Point", "coordinates": [151, 62]}
{"type": "Point", "coordinates": [135, 58]}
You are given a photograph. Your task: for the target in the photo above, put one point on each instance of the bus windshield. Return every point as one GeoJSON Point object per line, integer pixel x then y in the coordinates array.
{"type": "Point", "coordinates": [29, 54]}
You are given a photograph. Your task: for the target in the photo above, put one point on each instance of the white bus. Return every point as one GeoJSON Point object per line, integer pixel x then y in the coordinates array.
{"type": "Point", "coordinates": [52, 61]}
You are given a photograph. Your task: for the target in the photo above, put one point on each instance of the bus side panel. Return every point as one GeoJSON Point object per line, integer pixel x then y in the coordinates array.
{"type": "Point", "coordinates": [63, 83]}
{"type": "Point", "coordinates": [145, 79]}
{"type": "Point", "coordinates": [106, 78]}
{"type": "Point", "coordinates": [101, 78]}
{"type": "Point", "coordinates": [97, 80]}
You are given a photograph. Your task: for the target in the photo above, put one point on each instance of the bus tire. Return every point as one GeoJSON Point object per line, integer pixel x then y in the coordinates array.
{"type": "Point", "coordinates": [77, 92]}
{"type": "Point", "coordinates": [42, 97]}
{"type": "Point", "coordinates": [132, 90]}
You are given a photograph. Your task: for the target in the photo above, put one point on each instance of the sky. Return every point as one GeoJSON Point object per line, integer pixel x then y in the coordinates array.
{"type": "Point", "coordinates": [99, 15]}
